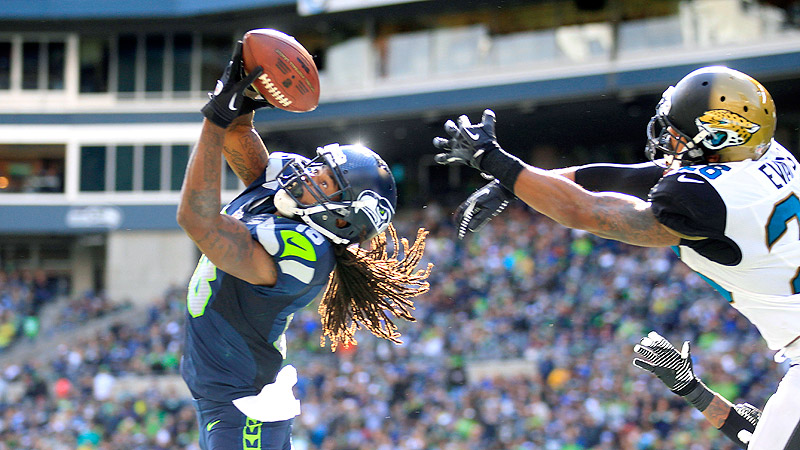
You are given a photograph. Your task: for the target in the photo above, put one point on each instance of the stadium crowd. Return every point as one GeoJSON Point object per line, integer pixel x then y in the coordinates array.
{"type": "Point", "coordinates": [564, 306]}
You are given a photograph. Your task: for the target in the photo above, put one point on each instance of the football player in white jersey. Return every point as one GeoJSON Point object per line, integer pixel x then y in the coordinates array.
{"type": "Point", "coordinates": [725, 196]}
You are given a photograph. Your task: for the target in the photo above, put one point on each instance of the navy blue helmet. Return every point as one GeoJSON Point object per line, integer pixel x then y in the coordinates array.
{"type": "Point", "coordinates": [363, 206]}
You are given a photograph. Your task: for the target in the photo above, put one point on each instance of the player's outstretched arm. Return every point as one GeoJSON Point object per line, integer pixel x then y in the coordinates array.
{"type": "Point", "coordinates": [607, 214]}
{"type": "Point", "coordinates": [633, 179]}
{"type": "Point", "coordinates": [659, 357]}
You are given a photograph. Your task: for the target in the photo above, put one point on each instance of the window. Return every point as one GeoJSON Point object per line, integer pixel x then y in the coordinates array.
{"type": "Point", "coordinates": [93, 168]}
{"type": "Point", "coordinates": [182, 65]}
{"type": "Point", "coordinates": [154, 63]}
{"type": "Point", "coordinates": [215, 49]}
{"type": "Point", "coordinates": [32, 168]}
{"type": "Point", "coordinates": [43, 65]}
{"type": "Point", "coordinates": [94, 54]}
{"type": "Point", "coordinates": [180, 158]}
{"type": "Point", "coordinates": [30, 65]}
{"type": "Point", "coordinates": [124, 168]}
{"type": "Point", "coordinates": [56, 54]}
{"type": "Point", "coordinates": [5, 65]}
{"type": "Point", "coordinates": [126, 50]}
{"type": "Point", "coordinates": [152, 168]}
{"type": "Point", "coordinates": [131, 168]}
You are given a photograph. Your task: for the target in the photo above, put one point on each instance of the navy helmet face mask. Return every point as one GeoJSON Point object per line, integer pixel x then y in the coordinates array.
{"type": "Point", "coordinates": [361, 207]}
{"type": "Point", "coordinates": [714, 110]}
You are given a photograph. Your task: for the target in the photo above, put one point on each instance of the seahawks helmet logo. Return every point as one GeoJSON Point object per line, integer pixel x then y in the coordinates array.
{"type": "Point", "coordinates": [377, 208]}
{"type": "Point", "coordinates": [725, 128]}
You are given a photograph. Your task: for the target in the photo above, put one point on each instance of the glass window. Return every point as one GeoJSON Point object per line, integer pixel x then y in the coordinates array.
{"type": "Point", "coordinates": [215, 49]}
{"type": "Point", "coordinates": [154, 63]}
{"type": "Point", "coordinates": [152, 168]}
{"type": "Point", "coordinates": [182, 66]}
{"type": "Point", "coordinates": [93, 58]}
{"type": "Point", "coordinates": [124, 171]}
{"type": "Point", "coordinates": [55, 65]}
{"type": "Point", "coordinates": [5, 65]}
{"type": "Point", "coordinates": [126, 79]}
{"type": "Point", "coordinates": [30, 65]}
{"type": "Point", "coordinates": [32, 167]}
{"type": "Point", "coordinates": [180, 157]}
{"type": "Point", "coordinates": [93, 168]}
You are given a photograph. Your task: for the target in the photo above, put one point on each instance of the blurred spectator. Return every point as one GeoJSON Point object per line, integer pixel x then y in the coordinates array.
{"type": "Point", "coordinates": [516, 347]}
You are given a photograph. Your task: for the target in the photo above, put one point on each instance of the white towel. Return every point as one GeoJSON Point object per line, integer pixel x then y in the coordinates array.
{"type": "Point", "coordinates": [275, 402]}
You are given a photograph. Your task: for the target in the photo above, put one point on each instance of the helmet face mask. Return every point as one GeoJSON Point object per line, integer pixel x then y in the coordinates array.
{"type": "Point", "coordinates": [712, 111]}
{"type": "Point", "coordinates": [361, 208]}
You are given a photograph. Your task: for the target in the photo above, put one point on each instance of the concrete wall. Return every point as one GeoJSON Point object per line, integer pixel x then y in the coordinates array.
{"type": "Point", "coordinates": [82, 266]}
{"type": "Point", "coordinates": [141, 265]}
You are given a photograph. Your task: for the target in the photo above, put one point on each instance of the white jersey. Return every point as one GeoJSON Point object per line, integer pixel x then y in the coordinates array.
{"type": "Point", "coordinates": [750, 213]}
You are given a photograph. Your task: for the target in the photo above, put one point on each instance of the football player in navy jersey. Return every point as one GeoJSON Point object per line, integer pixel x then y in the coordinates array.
{"type": "Point", "coordinates": [724, 196]}
{"type": "Point", "coordinates": [290, 237]}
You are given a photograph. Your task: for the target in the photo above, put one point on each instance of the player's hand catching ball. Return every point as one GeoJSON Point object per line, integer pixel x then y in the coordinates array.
{"type": "Point", "coordinates": [232, 96]}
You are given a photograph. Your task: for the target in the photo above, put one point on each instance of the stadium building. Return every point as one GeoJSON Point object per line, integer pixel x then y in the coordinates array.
{"type": "Point", "coordinates": [99, 102]}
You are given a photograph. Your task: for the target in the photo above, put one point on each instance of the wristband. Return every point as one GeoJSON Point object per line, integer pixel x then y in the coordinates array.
{"type": "Point", "coordinates": [219, 116]}
{"type": "Point", "coordinates": [699, 396]}
{"type": "Point", "coordinates": [737, 428]}
{"type": "Point", "coordinates": [503, 166]}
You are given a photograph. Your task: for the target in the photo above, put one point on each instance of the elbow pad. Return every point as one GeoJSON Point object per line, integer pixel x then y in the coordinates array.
{"type": "Point", "coordinates": [741, 423]}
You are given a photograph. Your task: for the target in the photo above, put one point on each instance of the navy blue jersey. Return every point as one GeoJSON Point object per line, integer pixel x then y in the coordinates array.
{"type": "Point", "coordinates": [235, 341]}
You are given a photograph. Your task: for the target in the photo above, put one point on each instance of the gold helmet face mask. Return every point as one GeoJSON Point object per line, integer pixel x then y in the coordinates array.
{"type": "Point", "coordinates": [712, 111]}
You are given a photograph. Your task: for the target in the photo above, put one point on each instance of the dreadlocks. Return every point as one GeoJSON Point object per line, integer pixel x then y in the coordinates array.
{"type": "Point", "coordinates": [366, 283]}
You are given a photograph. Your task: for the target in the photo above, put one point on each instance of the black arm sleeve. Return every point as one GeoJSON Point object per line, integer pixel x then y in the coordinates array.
{"type": "Point", "coordinates": [631, 179]}
{"type": "Point", "coordinates": [739, 428]}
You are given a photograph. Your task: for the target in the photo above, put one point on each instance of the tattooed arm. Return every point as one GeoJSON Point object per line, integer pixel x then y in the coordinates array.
{"type": "Point", "coordinates": [225, 240]}
{"type": "Point", "coordinates": [607, 214]}
{"type": "Point", "coordinates": [244, 150]}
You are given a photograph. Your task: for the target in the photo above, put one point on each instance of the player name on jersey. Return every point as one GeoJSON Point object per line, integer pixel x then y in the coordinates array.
{"type": "Point", "coordinates": [780, 171]}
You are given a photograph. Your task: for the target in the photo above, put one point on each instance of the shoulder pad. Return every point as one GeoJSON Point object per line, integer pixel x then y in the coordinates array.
{"type": "Point", "coordinates": [297, 249]}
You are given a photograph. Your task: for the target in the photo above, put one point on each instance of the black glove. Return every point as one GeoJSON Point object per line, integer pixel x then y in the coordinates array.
{"type": "Point", "coordinates": [480, 207]}
{"type": "Point", "coordinates": [233, 96]}
{"type": "Point", "coordinates": [749, 412]}
{"type": "Point", "coordinates": [664, 361]}
{"type": "Point", "coordinates": [468, 143]}
{"type": "Point", "coordinates": [476, 146]}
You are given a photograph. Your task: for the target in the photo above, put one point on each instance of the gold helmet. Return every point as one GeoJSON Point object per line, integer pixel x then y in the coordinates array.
{"type": "Point", "coordinates": [715, 111]}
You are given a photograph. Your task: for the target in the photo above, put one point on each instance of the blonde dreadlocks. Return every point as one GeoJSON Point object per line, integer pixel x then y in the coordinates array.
{"type": "Point", "coordinates": [367, 283]}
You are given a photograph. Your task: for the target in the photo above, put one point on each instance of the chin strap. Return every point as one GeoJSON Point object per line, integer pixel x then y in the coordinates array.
{"type": "Point", "coordinates": [332, 237]}
{"type": "Point", "coordinates": [287, 207]}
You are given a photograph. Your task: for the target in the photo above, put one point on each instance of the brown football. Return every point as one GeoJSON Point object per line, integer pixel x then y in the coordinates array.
{"type": "Point", "coordinates": [290, 80]}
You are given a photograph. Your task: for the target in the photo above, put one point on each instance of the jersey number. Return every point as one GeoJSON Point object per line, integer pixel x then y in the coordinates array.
{"type": "Point", "coordinates": [200, 287]}
{"type": "Point", "coordinates": [711, 172]}
{"type": "Point", "coordinates": [784, 211]}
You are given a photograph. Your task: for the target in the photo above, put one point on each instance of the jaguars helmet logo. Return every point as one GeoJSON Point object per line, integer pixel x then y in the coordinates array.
{"type": "Point", "coordinates": [725, 128]}
{"type": "Point", "coordinates": [378, 209]}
